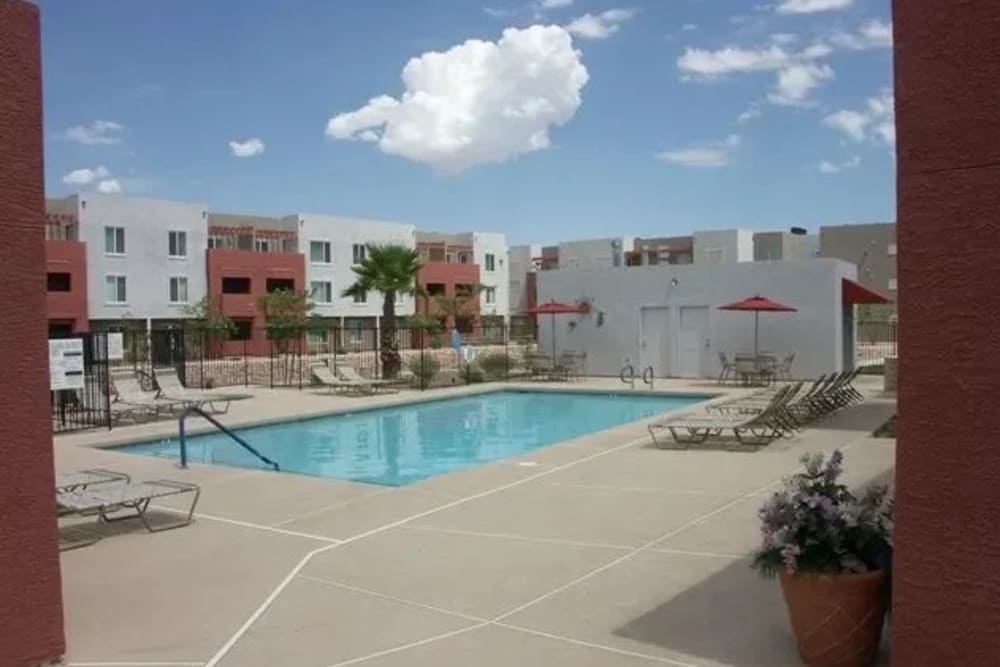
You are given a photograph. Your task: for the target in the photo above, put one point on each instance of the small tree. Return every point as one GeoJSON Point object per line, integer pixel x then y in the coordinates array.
{"type": "Point", "coordinates": [208, 323]}
{"type": "Point", "coordinates": [460, 306]}
{"type": "Point", "coordinates": [287, 316]}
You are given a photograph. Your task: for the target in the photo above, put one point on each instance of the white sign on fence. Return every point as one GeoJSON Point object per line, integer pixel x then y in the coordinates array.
{"type": "Point", "coordinates": [116, 346]}
{"type": "Point", "coordinates": [66, 363]}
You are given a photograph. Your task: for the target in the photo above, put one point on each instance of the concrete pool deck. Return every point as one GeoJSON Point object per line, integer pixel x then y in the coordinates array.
{"type": "Point", "coordinates": [598, 551]}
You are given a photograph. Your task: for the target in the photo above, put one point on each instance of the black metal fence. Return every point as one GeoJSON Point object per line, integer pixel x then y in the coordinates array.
{"type": "Point", "coordinates": [876, 340]}
{"type": "Point", "coordinates": [86, 405]}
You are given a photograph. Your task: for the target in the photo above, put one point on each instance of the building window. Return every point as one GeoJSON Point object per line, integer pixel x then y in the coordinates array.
{"type": "Point", "coordinates": [178, 289]}
{"type": "Point", "coordinates": [319, 252]}
{"type": "Point", "coordinates": [490, 262]}
{"type": "Point", "coordinates": [463, 290]}
{"type": "Point", "coordinates": [465, 324]}
{"type": "Point", "coordinates": [891, 250]}
{"type": "Point", "coordinates": [361, 298]}
{"type": "Point", "coordinates": [235, 285]}
{"type": "Point", "coordinates": [242, 330]}
{"type": "Point", "coordinates": [715, 255]}
{"type": "Point", "coordinates": [435, 289]}
{"type": "Point", "coordinates": [491, 295]}
{"type": "Point", "coordinates": [321, 291]}
{"type": "Point", "coordinates": [318, 340]}
{"type": "Point", "coordinates": [177, 242]}
{"type": "Point", "coordinates": [114, 240]}
{"type": "Point", "coordinates": [60, 282]}
{"type": "Point", "coordinates": [360, 253]}
{"type": "Point", "coordinates": [114, 289]}
{"type": "Point", "coordinates": [279, 285]}
{"type": "Point", "coordinates": [892, 284]}
{"type": "Point", "coordinates": [265, 245]}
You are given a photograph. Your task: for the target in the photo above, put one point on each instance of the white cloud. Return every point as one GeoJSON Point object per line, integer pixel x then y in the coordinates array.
{"type": "Point", "coordinates": [752, 111]}
{"type": "Point", "coordinates": [784, 38]}
{"type": "Point", "coordinates": [827, 167]}
{"type": "Point", "coordinates": [248, 148]}
{"type": "Point", "coordinates": [109, 186]}
{"type": "Point", "coordinates": [711, 155]}
{"type": "Point", "coordinates": [811, 6]}
{"type": "Point", "coordinates": [797, 81]}
{"type": "Point", "coordinates": [98, 133]}
{"type": "Point", "coordinates": [85, 176]}
{"type": "Point", "coordinates": [479, 102]}
{"type": "Point", "coordinates": [731, 60]}
{"type": "Point", "coordinates": [871, 35]}
{"type": "Point", "coordinates": [875, 122]}
{"type": "Point", "coordinates": [687, 27]}
{"type": "Point", "coordinates": [599, 26]}
{"type": "Point", "coordinates": [554, 4]}
{"type": "Point", "coordinates": [499, 12]}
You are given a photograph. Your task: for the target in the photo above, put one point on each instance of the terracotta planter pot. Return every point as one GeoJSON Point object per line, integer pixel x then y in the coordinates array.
{"type": "Point", "coordinates": [837, 619]}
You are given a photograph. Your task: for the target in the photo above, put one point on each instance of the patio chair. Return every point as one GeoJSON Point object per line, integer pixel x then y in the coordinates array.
{"type": "Point", "coordinates": [350, 374]}
{"type": "Point", "coordinates": [81, 479]}
{"type": "Point", "coordinates": [539, 366]}
{"type": "Point", "coordinates": [131, 394]}
{"type": "Point", "coordinates": [783, 371]}
{"type": "Point", "coordinates": [727, 367]}
{"type": "Point", "coordinates": [325, 376]}
{"type": "Point", "coordinates": [170, 387]}
{"type": "Point", "coordinates": [131, 500]}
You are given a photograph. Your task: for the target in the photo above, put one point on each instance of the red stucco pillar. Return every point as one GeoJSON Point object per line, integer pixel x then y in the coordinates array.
{"type": "Point", "coordinates": [31, 626]}
{"type": "Point", "coordinates": [947, 561]}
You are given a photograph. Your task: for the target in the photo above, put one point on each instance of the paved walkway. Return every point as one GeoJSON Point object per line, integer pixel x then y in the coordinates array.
{"type": "Point", "coordinates": [600, 551]}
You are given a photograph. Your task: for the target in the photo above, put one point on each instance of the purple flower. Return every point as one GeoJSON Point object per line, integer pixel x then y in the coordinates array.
{"type": "Point", "coordinates": [833, 467]}
{"type": "Point", "coordinates": [790, 557]}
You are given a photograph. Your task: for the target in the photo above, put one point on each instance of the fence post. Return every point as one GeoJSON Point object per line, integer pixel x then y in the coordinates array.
{"type": "Point", "coordinates": [270, 362]}
{"type": "Point", "coordinates": [107, 380]}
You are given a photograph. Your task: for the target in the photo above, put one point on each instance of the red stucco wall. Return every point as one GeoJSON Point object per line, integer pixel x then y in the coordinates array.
{"type": "Point", "coordinates": [448, 274]}
{"type": "Point", "coordinates": [31, 628]}
{"type": "Point", "coordinates": [68, 257]}
{"type": "Point", "coordinates": [947, 561]}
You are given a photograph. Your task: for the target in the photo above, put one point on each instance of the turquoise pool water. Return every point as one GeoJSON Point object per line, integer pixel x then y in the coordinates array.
{"type": "Point", "coordinates": [400, 445]}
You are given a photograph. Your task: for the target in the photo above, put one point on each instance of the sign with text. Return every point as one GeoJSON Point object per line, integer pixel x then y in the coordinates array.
{"type": "Point", "coordinates": [66, 363]}
{"type": "Point", "coordinates": [116, 346]}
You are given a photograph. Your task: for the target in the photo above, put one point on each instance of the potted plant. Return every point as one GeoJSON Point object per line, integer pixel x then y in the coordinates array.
{"type": "Point", "coordinates": [832, 551]}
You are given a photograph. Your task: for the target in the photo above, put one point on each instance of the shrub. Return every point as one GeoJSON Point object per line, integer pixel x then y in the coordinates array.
{"type": "Point", "coordinates": [473, 374]}
{"type": "Point", "coordinates": [494, 365]}
{"type": "Point", "coordinates": [425, 368]}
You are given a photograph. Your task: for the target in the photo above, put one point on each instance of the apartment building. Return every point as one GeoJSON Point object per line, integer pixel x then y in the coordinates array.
{"type": "Point", "coordinates": [723, 246]}
{"type": "Point", "coordinates": [454, 264]}
{"type": "Point", "coordinates": [783, 246]}
{"type": "Point", "coordinates": [872, 247]}
{"type": "Point", "coordinates": [661, 250]}
{"type": "Point", "coordinates": [66, 269]}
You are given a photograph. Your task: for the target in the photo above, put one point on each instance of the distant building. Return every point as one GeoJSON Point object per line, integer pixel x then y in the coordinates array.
{"type": "Point", "coordinates": [725, 246]}
{"type": "Point", "coordinates": [662, 250]}
{"type": "Point", "coordinates": [872, 247]}
{"type": "Point", "coordinates": [784, 246]}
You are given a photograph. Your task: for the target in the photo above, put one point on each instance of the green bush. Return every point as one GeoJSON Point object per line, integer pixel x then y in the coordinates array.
{"type": "Point", "coordinates": [494, 365]}
{"type": "Point", "coordinates": [473, 374]}
{"type": "Point", "coordinates": [425, 368]}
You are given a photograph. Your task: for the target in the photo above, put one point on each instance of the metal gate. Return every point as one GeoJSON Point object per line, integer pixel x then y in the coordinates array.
{"type": "Point", "coordinates": [90, 405]}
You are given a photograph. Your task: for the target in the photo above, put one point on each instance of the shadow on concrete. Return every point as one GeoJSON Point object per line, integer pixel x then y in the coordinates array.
{"type": "Point", "coordinates": [734, 617]}
{"type": "Point", "coordinates": [75, 532]}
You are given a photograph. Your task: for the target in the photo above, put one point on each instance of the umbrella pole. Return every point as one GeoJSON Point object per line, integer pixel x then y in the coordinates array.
{"type": "Point", "coordinates": [756, 330]}
{"type": "Point", "coordinates": [553, 337]}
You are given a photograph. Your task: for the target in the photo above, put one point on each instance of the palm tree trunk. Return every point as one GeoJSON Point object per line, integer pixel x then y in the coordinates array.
{"type": "Point", "coordinates": [389, 353]}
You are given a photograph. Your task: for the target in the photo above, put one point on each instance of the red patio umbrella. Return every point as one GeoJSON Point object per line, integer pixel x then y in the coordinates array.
{"type": "Point", "coordinates": [554, 308]}
{"type": "Point", "coordinates": [758, 304]}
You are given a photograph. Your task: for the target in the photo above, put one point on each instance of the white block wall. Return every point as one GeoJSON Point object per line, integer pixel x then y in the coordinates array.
{"type": "Point", "coordinates": [146, 264]}
{"type": "Point", "coordinates": [484, 243]}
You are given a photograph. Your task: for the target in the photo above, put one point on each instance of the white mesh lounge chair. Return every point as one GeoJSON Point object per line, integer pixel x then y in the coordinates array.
{"type": "Point", "coordinates": [170, 387]}
{"type": "Point", "coordinates": [117, 502]}
{"type": "Point", "coordinates": [350, 374]}
{"type": "Point", "coordinates": [326, 377]}
{"type": "Point", "coordinates": [81, 479]}
{"type": "Point", "coordinates": [131, 393]}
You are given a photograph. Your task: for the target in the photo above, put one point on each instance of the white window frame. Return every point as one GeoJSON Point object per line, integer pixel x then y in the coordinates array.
{"type": "Point", "coordinates": [893, 285]}
{"type": "Point", "coordinates": [358, 249]}
{"type": "Point", "coordinates": [324, 286]}
{"type": "Point", "coordinates": [176, 281]}
{"type": "Point", "coordinates": [490, 262]}
{"type": "Point", "coordinates": [124, 285]}
{"type": "Point", "coordinates": [361, 299]}
{"type": "Point", "coordinates": [116, 252]}
{"type": "Point", "coordinates": [177, 234]}
{"type": "Point", "coordinates": [490, 295]}
{"type": "Point", "coordinates": [327, 254]}
{"type": "Point", "coordinates": [891, 250]}
{"type": "Point", "coordinates": [264, 245]}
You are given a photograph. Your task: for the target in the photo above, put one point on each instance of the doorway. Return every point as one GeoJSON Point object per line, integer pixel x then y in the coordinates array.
{"type": "Point", "coordinates": [654, 341]}
{"type": "Point", "coordinates": [692, 342]}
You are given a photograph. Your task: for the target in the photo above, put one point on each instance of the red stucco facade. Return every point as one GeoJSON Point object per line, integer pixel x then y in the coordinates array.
{"type": "Point", "coordinates": [70, 306]}
{"type": "Point", "coordinates": [448, 274]}
{"type": "Point", "coordinates": [258, 267]}
{"type": "Point", "coordinates": [31, 626]}
{"type": "Point", "coordinates": [946, 584]}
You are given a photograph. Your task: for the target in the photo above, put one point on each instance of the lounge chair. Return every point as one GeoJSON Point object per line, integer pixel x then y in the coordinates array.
{"type": "Point", "coordinates": [350, 374]}
{"type": "Point", "coordinates": [118, 502]}
{"type": "Point", "coordinates": [82, 479]}
{"type": "Point", "coordinates": [131, 394]}
{"type": "Point", "coordinates": [170, 387]}
{"type": "Point", "coordinates": [726, 367]}
{"type": "Point", "coordinates": [326, 377]}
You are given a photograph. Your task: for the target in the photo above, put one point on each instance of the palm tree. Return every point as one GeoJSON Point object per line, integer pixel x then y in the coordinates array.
{"type": "Point", "coordinates": [391, 270]}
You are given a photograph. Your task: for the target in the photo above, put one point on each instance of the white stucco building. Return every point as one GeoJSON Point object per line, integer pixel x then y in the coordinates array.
{"type": "Point", "coordinates": [332, 245]}
{"type": "Point", "coordinates": [667, 317]}
{"type": "Point", "coordinates": [594, 253]}
{"type": "Point", "coordinates": [723, 246]}
{"type": "Point", "coordinates": [489, 251]}
{"type": "Point", "coordinates": [145, 257]}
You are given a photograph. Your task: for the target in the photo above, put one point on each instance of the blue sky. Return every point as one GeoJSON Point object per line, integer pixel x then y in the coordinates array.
{"type": "Point", "coordinates": [586, 118]}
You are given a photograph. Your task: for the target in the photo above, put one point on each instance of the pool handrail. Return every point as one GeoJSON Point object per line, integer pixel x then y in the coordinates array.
{"type": "Point", "coordinates": [182, 436]}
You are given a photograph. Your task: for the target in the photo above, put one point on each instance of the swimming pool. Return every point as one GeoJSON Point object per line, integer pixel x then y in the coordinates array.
{"type": "Point", "coordinates": [399, 445]}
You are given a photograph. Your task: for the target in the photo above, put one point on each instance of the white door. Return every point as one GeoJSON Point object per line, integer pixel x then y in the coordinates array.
{"type": "Point", "coordinates": [692, 342]}
{"type": "Point", "coordinates": [654, 339]}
